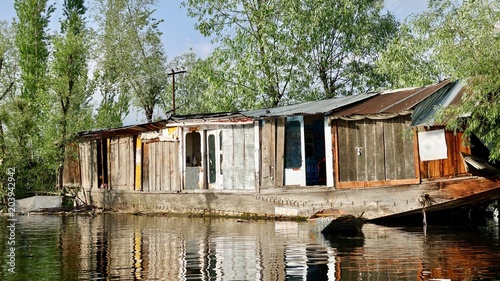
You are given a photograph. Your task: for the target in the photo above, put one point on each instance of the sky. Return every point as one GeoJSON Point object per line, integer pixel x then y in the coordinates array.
{"type": "Point", "coordinates": [179, 35]}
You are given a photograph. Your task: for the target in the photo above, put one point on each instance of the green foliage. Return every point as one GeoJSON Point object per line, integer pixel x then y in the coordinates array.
{"type": "Point", "coordinates": [254, 66]}
{"type": "Point", "coordinates": [25, 110]}
{"type": "Point", "coordinates": [69, 111]}
{"type": "Point", "coordinates": [279, 52]}
{"type": "Point", "coordinates": [194, 90]}
{"type": "Point", "coordinates": [340, 41]}
{"type": "Point", "coordinates": [461, 41]}
{"type": "Point", "coordinates": [132, 55]}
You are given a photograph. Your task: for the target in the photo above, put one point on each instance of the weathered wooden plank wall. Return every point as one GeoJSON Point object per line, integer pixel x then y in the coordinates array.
{"type": "Point", "coordinates": [238, 163]}
{"type": "Point", "coordinates": [121, 163]}
{"type": "Point", "coordinates": [373, 152]}
{"type": "Point", "coordinates": [279, 177]}
{"type": "Point", "coordinates": [88, 162]}
{"type": "Point", "coordinates": [268, 141]}
{"type": "Point", "coordinates": [452, 166]}
{"type": "Point", "coordinates": [399, 141]}
{"type": "Point", "coordinates": [272, 152]}
{"type": "Point", "coordinates": [160, 164]}
{"type": "Point", "coordinates": [71, 170]}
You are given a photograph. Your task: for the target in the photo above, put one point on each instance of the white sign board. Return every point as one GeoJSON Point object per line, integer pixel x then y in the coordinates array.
{"type": "Point", "coordinates": [432, 145]}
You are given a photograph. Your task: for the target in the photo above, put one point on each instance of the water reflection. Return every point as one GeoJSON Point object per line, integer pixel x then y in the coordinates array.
{"type": "Point", "coordinates": [127, 247]}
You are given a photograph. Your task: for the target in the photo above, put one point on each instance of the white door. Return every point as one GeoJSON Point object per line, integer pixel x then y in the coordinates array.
{"type": "Point", "coordinates": [295, 164]}
{"type": "Point", "coordinates": [214, 159]}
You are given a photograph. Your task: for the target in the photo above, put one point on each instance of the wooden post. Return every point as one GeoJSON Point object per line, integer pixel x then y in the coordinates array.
{"type": "Point", "coordinates": [425, 200]}
{"type": "Point", "coordinates": [173, 87]}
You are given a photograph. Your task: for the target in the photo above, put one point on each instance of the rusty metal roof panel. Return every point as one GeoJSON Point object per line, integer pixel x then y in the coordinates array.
{"type": "Point", "coordinates": [209, 117]}
{"type": "Point", "coordinates": [397, 101]}
{"type": "Point", "coordinates": [124, 130]}
{"type": "Point", "coordinates": [308, 108]}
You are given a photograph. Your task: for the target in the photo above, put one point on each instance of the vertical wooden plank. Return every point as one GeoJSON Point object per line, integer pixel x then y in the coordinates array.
{"type": "Point", "coordinates": [164, 174]}
{"type": "Point", "coordinates": [85, 160]}
{"type": "Point", "coordinates": [249, 150]}
{"type": "Point", "coordinates": [158, 165]}
{"type": "Point", "coordinates": [280, 152]}
{"type": "Point", "coordinates": [154, 166]}
{"type": "Point", "coordinates": [416, 158]}
{"type": "Point", "coordinates": [346, 162]}
{"type": "Point", "coordinates": [131, 163]}
{"type": "Point", "coordinates": [169, 165]}
{"type": "Point", "coordinates": [272, 152]}
{"type": "Point", "coordinates": [113, 160]}
{"type": "Point", "coordinates": [266, 154]}
{"type": "Point", "coordinates": [138, 164]}
{"type": "Point", "coordinates": [462, 148]}
{"type": "Point", "coordinates": [379, 150]}
{"type": "Point", "coordinates": [145, 167]}
{"type": "Point", "coordinates": [175, 175]}
{"type": "Point", "coordinates": [358, 161]}
{"type": "Point", "coordinates": [362, 160]}
{"type": "Point", "coordinates": [335, 152]}
{"type": "Point", "coordinates": [391, 149]}
{"type": "Point", "coordinates": [232, 162]}
{"type": "Point", "coordinates": [408, 139]}
{"type": "Point", "coordinates": [168, 155]}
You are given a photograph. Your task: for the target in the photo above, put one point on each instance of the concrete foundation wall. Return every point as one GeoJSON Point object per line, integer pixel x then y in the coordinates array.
{"type": "Point", "coordinates": [182, 203]}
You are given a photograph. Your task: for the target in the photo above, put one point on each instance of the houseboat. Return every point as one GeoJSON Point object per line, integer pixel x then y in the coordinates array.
{"type": "Point", "coordinates": [381, 154]}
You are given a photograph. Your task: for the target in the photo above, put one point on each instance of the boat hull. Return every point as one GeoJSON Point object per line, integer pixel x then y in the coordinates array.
{"type": "Point", "coordinates": [334, 221]}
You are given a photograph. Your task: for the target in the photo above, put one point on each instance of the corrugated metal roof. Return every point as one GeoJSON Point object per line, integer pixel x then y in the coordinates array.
{"type": "Point", "coordinates": [209, 117]}
{"type": "Point", "coordinates": [397, 101]}
{"type": "Point", "coordinates": [308, 108]}
{"type": "Point", "coordinates": [425, 113]}
{"type": "Point", "coordinates": [125, 130]}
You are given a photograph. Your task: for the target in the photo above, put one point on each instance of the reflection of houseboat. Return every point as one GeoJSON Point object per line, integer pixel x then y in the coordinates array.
{"type": "Point", "coordinates": [372, 153]}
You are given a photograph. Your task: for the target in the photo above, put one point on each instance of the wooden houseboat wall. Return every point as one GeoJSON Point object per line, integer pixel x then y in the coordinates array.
{"type": "Point", "coordinates": [374, 152]}
{"type": "Point", "coordinates": [157, 161]}
{"type": "Point", "coordinates": [375, 143]}
{"type": "Point", "coordinates": [295, 147]}
{"type": "Point", "coordinates": [271, 132]}
{"type": "Point", "coordinates": [188, 154]}
{"type": "Point", "coordinates": [219, 156]}
{"type": "Point", "coordinates": [440, 153]}
{"type": "Point", "coordinates": [107, 163]}
{"type": "Point", "coordinates": [293, 151]}
{"type": "Point", "coordinates": [71, 169]}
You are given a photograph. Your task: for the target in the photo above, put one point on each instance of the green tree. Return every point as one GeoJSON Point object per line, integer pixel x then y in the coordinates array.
{"type": "Point", "coordinates": [8, 60]}
{"type": "Point", "coordinates": [9, 70]}
{"type": "Point", "coordinates": [279, 52]}
{"type": "Point", "coordinates": [27, 107]}
{"type": "Point", "coordinates": [134, 58]}
{"type": "Point", "coordinates": [107, 79]}
{"type": "Point", "coordinates": [255, 64]}
{"type": "Point", "coordinates": [340, 41]}
{"type": "Point", "coordinates": [69, 110]}
{"type": "Point", "coordinates": [191, 87]}
{"type": "Point", "coordinates": [460, 40]}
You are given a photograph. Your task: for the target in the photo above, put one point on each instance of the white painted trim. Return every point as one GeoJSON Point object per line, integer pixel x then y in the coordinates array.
{"type": "Point", "coordinates": [328, 152]}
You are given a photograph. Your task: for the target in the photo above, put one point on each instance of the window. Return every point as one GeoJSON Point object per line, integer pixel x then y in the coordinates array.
{"type": "Point", "coordinates": [293, 149]}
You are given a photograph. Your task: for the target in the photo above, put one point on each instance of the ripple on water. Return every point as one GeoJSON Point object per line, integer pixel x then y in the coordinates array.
{"type": "Point", "coordinates": [126, 247]}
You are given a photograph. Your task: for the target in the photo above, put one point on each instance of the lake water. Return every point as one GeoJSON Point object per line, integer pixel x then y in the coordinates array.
{"type": "Point", "coordinates": [140, 247]}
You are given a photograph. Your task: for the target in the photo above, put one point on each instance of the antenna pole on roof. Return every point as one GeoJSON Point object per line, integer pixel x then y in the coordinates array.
{"type": "Point", "coordinates": [173, 87]}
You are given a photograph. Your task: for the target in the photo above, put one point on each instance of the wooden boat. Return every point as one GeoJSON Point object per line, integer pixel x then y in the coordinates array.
{"type": "Point", "coordinates": [335, 221]}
